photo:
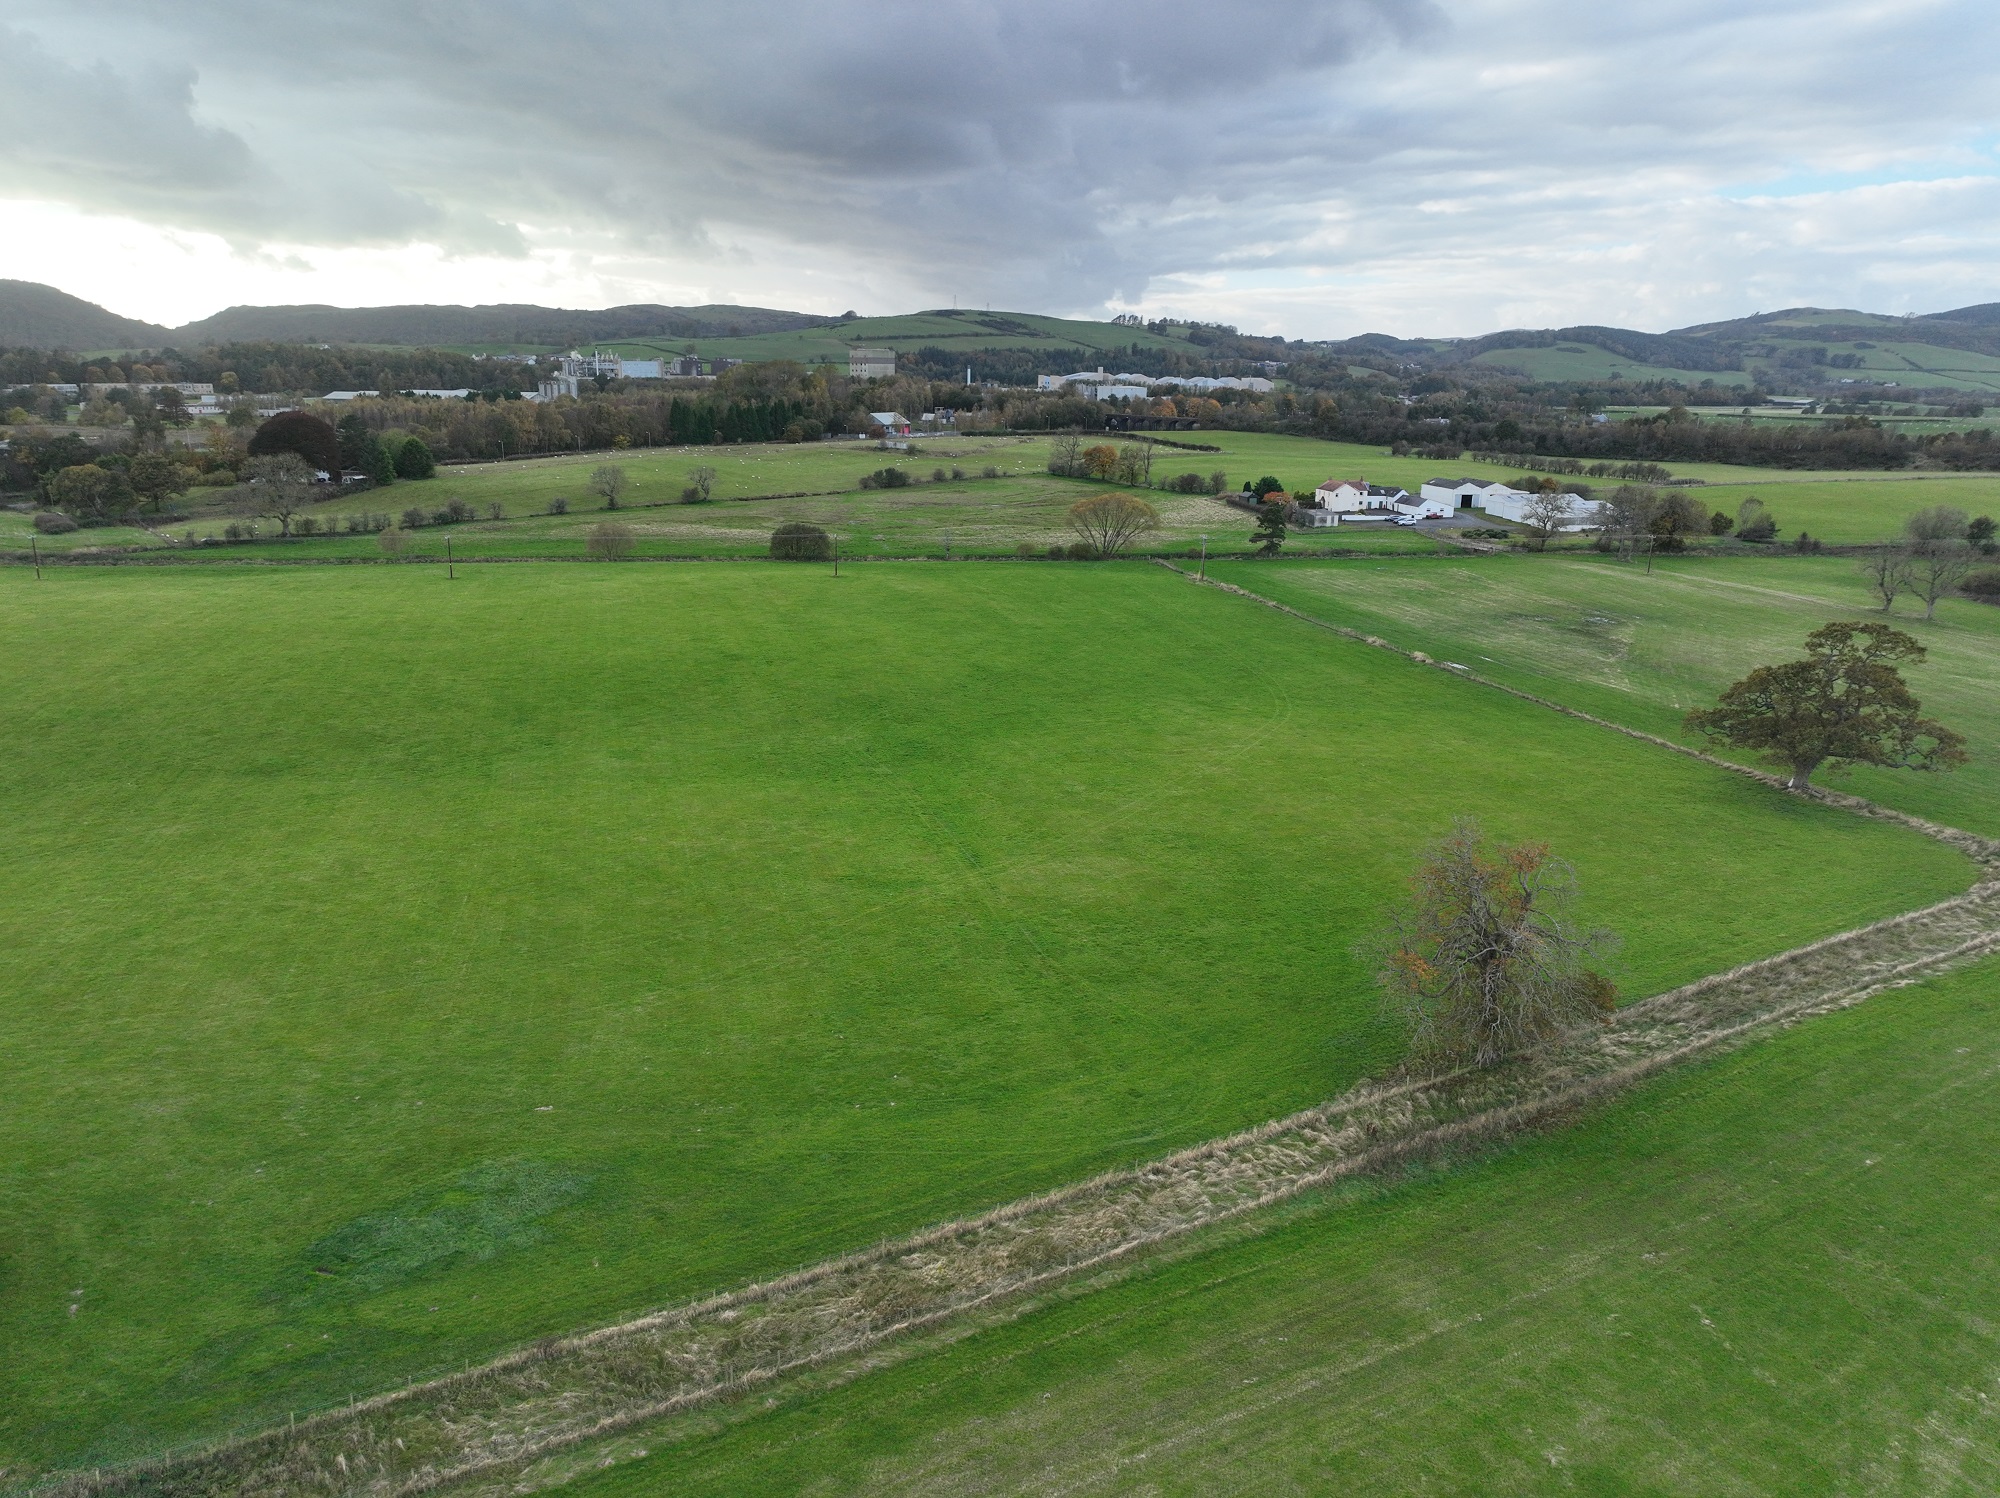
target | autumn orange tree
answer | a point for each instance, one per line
(1486, 962)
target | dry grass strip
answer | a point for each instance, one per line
(520, 1408)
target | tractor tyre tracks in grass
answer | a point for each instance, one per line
(503, 1420)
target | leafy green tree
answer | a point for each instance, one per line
(1486, 962)
(1270, 533)
(89, 492)
(1845, 703)
(1979, 532)
(1266, 485)
(157, 478)
(414, 460)
(361, 451)
(800, 541)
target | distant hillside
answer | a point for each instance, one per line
(427, 326)
(1795, 348)
(37, 316)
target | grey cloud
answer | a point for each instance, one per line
(1505, 154)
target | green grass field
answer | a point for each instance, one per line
(1024, 505)
(1605, 637)
(1773, 1273)
(401, 969)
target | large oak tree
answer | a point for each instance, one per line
(1845, 703)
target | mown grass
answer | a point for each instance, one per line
(1643, 649)
(1771, 1273)
(401, 969)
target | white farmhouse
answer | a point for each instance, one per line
(1352, 497)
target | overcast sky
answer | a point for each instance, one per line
(1315, 169)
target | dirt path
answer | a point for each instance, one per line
(494, 1420)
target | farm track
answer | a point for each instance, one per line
(494, 1421)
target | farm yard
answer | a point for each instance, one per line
(409, 968)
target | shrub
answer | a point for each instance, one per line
(1218, 482)
(392, 541)
(990, 471)
(218, 478)
(937, 475)
(413, 518)
(957, 472)
(1188, 483)
(1058, 552)
(886, 478)
(54, 523)
(1982, 586)
(452, 512)
(495, 510)
(798, 541)
(558, 506)
(1027, 549)
(307, 525)
(610, 541)
(414, 460)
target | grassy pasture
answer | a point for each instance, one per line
(981, 515)
(1603, 636)
(402, 969)
(1774, 1273)
(1582, 361)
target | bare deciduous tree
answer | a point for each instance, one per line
(700, 485)
(1546, 515)
(1486, 962)
(1887, 570)
(280, 488)
(1938, 555)
(610, 541)
(609, 482)
(1108, 523)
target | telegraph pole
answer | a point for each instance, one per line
(1203, 576)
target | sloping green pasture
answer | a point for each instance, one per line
(1604, 636)
(399, 969)
(1771, 1274)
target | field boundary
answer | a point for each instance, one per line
(498, 1418)
(527, 1405)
